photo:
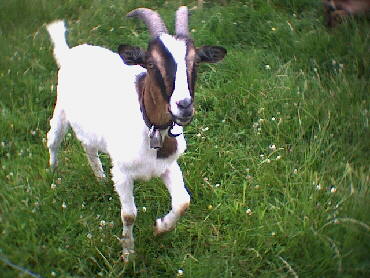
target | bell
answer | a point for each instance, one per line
(155, 138)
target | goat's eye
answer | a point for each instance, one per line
(150, 65)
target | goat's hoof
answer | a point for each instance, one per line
(160, 227)
(127, 255)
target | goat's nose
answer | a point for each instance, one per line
(184, 103)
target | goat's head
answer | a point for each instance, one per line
(171, 63)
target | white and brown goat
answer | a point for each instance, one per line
(336, 10)
(133, 106)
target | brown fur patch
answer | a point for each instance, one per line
(184, 208)
(169, 147)
(128, 219)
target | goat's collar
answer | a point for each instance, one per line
(155, 136)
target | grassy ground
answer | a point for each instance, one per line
(277, 162)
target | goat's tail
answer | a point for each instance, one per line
(57, 30)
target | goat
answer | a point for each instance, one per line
(133, 106)
(336, 10)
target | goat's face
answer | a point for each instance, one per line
(171, 64)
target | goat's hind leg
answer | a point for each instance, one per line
(58, 128)
(180, 199)
(94, 161)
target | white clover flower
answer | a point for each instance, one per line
(249, 212)
(180, 273)
(295, 171)
(278, 157)
(53, 186)
(272, 147)
(267, 67)
(273, 234)
(333, 189)
(318, 187)
(64, 205)
(102, 223)
(210, 207)
(53, 274)
(144, 209)
(89, 236)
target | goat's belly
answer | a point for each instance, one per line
(147, 166)
(145, 170)
(89, 136)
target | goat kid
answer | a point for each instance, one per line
(336, 10)
(133, 110)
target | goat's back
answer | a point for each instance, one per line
(98, 94)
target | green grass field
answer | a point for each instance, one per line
(278, 153)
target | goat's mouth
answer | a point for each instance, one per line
(183, 119)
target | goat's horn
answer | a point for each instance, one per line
(182, 21)
(152, 20)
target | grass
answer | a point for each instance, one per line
(277, 161)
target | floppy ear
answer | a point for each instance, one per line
(131, 55)
(211, 54)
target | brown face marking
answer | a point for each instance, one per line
(162, 67)
(191, 65)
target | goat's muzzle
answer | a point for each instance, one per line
(184, 112)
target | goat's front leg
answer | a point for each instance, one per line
(180, 199)
(124, 187)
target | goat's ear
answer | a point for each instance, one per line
(211, 54)
(131, 55)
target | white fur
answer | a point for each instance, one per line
(178, 50)
(97, 97)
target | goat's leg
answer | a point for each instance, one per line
(124, 187)
(58, 128)
(94, 161)
(180, 199)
